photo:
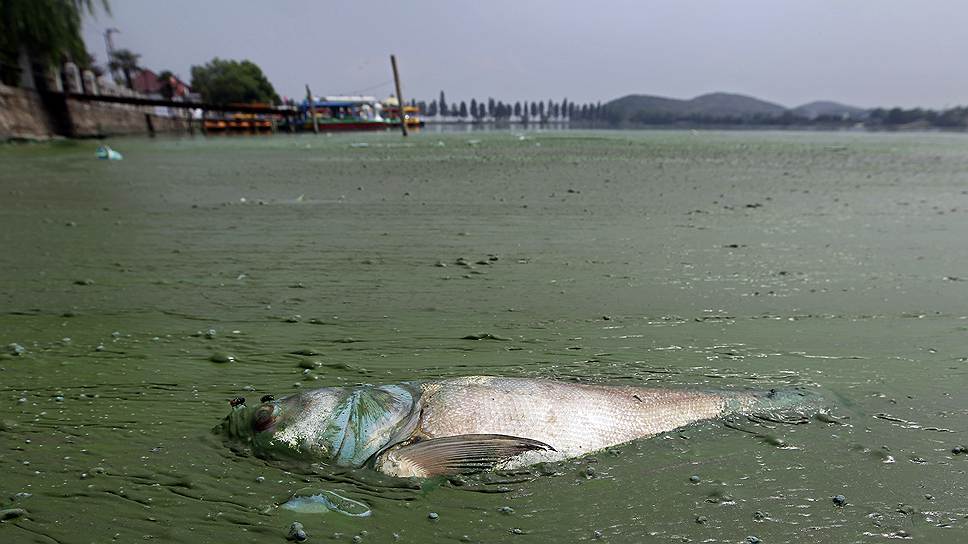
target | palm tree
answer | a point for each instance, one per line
(125, 61)
(41, 31)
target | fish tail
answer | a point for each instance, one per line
(794, 400)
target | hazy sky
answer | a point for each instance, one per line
(866, 53)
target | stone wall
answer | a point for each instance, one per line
(24, 115)
(93, 119)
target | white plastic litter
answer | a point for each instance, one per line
(105, 153)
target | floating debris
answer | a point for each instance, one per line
(485, 336)
(319, 501)
(12, 513)
(105, 153)
(222, 357)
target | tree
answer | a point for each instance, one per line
(462, 112)
(517, 109)
(443, 103)
(124, 61)
(229, 81)
(481, 110)
(44, 31)
(534, 110)
(474, 108)
(168, 84)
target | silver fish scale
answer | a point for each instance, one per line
(574, 419)
(305, 434)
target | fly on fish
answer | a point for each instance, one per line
(478, 423)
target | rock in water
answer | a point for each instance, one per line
(296, 532)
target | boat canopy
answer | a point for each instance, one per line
(331, 104)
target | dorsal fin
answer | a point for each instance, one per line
(455, 454)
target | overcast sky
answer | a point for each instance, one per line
(865, 53)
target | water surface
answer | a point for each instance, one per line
(754, 259)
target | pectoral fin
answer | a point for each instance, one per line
(454, 454)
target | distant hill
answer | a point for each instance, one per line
(827, 108)
(732, 105)
(642, 102)
(647, 108)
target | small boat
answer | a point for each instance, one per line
(240, 121)
(411, 114)
(339, 113)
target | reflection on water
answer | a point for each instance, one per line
(140, 296)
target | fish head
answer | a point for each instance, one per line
(342, 426)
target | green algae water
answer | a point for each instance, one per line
(138, 297)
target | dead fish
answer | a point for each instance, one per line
(476, 423)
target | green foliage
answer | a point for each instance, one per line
(167, 89)
(124, 61)
(49, 31)
(229, 81)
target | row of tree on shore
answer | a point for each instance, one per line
(498, 110)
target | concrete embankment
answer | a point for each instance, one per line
(30, 115)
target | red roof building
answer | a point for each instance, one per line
(148, 82)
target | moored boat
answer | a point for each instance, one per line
(340, 113)
(411, 114)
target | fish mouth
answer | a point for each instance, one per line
(244, 423)
(265, 418)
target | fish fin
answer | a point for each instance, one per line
(462, 454)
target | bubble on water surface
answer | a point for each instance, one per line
(320, 501)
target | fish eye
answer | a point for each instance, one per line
(263, 419)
